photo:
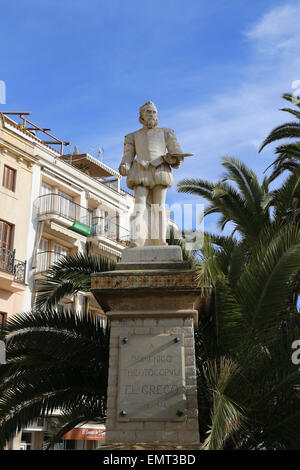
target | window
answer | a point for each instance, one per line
(3, 316)
(6, 231)
(42, 260)
(70, 444)
(26, 441)
(59, 250)
(45, 201)
(65, 205)
(106, 222)
(9, 178)
(6, 253)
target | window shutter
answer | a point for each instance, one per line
(42, 258)
(5, 235)
(9, 178)
(66, 206)
(45, 202)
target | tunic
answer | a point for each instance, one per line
(143, 151)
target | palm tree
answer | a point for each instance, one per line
(286, 199)
(289, 154)
(55, 361)
(245, 372)
(238, 197)
(248, 387)
(50, 327)
(69, 275)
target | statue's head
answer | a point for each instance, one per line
(148, 115)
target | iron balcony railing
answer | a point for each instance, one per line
(110, 229)
(11, 265)
(63, 206)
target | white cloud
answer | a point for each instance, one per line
(278, 29)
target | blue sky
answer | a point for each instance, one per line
(216, 71)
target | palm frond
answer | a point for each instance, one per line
(269, 273)
(289, 130)
(294, 112)
(69, 275)
(55, 360)
(228, 417)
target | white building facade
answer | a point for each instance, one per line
(74, 205)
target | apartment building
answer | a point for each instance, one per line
(16, 162)
(53, 203)
(75, 208)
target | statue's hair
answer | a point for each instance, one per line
(149, 104)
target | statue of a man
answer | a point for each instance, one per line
(149, 174)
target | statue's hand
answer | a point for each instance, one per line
(173, 160)
(169, 158)
(124, 169)
(176, 165)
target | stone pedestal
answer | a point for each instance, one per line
(151, 302)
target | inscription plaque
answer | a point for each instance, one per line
(151, 378)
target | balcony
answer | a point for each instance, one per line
(71, 214)
(9, 264)
(110, 230)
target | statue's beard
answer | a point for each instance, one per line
(150, 123)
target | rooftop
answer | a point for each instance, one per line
(93, 166)
(83, 161)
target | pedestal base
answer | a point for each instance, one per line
(152, 388)
(152, 257)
